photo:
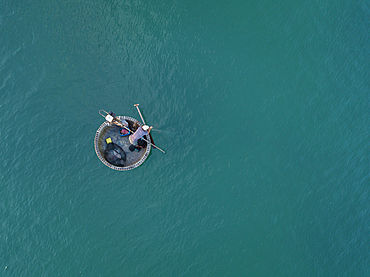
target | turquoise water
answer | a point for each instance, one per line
(262, 108)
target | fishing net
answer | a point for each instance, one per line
(115, 155)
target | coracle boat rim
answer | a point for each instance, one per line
(101, 157)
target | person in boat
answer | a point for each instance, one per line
(139, 133)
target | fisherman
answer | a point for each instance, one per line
(139, 133)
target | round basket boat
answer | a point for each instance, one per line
(111, 132)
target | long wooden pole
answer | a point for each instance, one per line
(137, 107)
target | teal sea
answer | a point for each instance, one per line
(262, 108)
